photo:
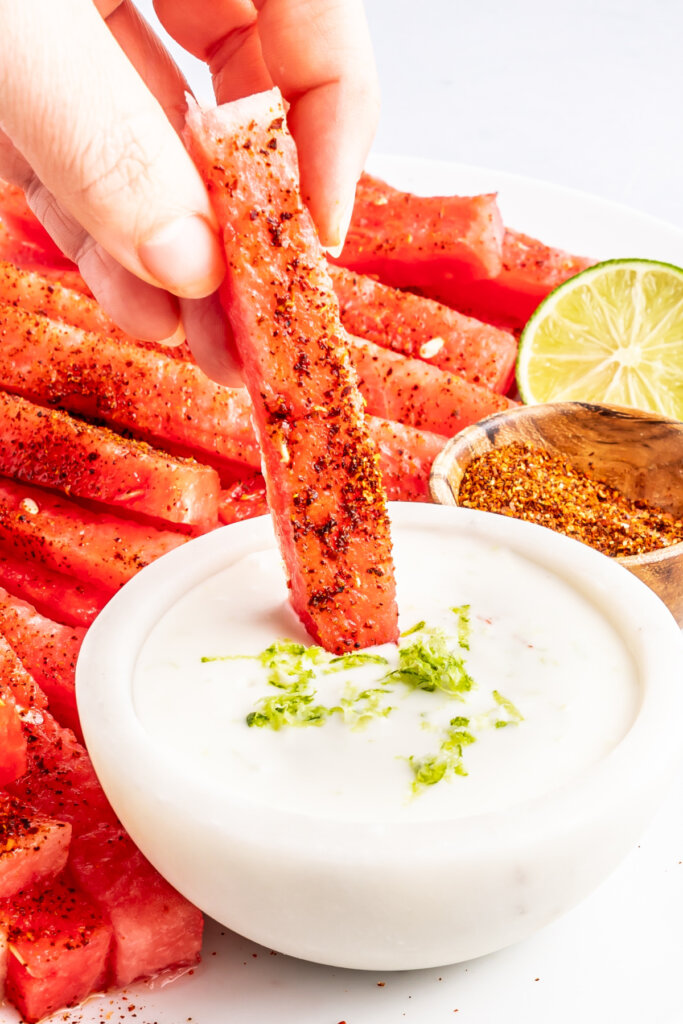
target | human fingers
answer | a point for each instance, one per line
(319, 53)
(225, 35)
(110, 160)
(139, 308)
(210, 339)
(149, 57)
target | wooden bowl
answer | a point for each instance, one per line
(637, 452)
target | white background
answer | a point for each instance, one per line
(587, 93)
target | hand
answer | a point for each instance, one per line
(91, 104)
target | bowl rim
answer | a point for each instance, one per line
(442, 493)
(104, 684)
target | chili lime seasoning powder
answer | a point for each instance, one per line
(537, 485)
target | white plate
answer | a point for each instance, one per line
(618, 956)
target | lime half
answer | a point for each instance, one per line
(612, 334)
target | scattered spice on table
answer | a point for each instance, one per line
(526, 482)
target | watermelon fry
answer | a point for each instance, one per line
(320, 466)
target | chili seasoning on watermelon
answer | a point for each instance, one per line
(320, 465)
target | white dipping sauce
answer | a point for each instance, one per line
(533, 638)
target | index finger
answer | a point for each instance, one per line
(320, 55)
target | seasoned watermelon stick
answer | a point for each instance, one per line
(61, 535)
(50, 448)
(324, 486)
(36, 362)
(412, 392)
(59, 597)
(408, 240)
(149, 393)
(36, 293)
(504, 292)
(243, 499)
(530, 271)
(49, 651)
(423, 329)
(32, 257)
(135, 388)
(405, 458)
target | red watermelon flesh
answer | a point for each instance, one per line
(33, 257)
(54, 595)
(3, 958)
(531, 270)
(17, 686)
(424, 329)
(22, 221)
(243, 499)
(58, 948)
(34, 292)
(102, 549)
(154, 927)
(407, 240)
(413, 392)
(51, 448)
(60, 780)
(48, 650)
(324, 486)
(151, 393)
(33, 847)
(12, 744)
(406, 456)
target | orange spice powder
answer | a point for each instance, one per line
(537, 485)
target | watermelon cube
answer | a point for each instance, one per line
(33, 847)
(58, 947)
(154, 926)
(60, 780)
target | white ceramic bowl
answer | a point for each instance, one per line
(381, 895)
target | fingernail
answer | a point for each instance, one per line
(184, 257)
(175, 339)
(344, 221)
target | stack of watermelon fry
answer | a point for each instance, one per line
(113, 451)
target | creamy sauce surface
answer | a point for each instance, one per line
(532, 638)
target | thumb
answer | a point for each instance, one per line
(99, 141)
